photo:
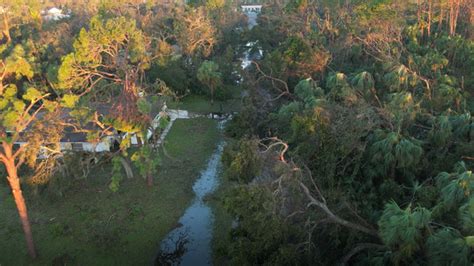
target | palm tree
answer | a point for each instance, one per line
(208, 73)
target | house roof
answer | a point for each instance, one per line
(70, 134)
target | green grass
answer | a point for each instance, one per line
(202, 104)
(90, 225)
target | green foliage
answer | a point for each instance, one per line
(455, 188)
(14, 115)
(303, 56)
(12, 108)
(441, 132)
(297, 49)
(391, 151)
(340, 89)
(116, 43)
(126, 126)
(395, 111)
(364, 82)
(282, 120)
(466, 213)
(404, 230)
(447, 96)
(215, 4)
(32, 94)
(117, 175)
(464, 126)
(147, 160)
(447, 247)
(392, 116)
(241, 124)
(144, 106)
(70, 100)
(403, 108)
(208, 73)
(309, 131)
(308, 91)
(16, 64)
(169, 73)
(241, 160)
(261, 236)
(400, 78)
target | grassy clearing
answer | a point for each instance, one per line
(202, 104)
(90, 225)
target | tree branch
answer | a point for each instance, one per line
(358, 249)
(332, 216)
(277, 142)
(286, 90)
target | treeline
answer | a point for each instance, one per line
(356, 141)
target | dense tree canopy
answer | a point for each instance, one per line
(369, 155)
(354, 137)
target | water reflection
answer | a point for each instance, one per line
(190, 244)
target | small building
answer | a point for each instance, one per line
(252, 12)
(74, 140)
(54, 14)
(257, 9)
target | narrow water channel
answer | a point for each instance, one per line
(190, 243)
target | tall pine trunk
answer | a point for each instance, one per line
(454, 8)
(14, 182)
(6, 27)
(441, 15)
(430, 16)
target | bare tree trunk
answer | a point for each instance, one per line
(14, 182)
(430, 15)
(322, 205)
(456, 15)
(149, 180)
(454, 8)
(418, 15)
(127, 167)
(441, 15)
(471, 21)
(6, 27)
(451, 16)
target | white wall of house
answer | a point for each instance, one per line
(96, 147)
(252, 8)
(104, 145)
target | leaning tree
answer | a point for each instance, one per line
(28, 127)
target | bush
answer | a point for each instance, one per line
(224, 92)
(241, 161)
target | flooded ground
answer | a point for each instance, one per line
(190, 243)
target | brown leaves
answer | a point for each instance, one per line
(196, 32)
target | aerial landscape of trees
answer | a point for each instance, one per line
(348, 125)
